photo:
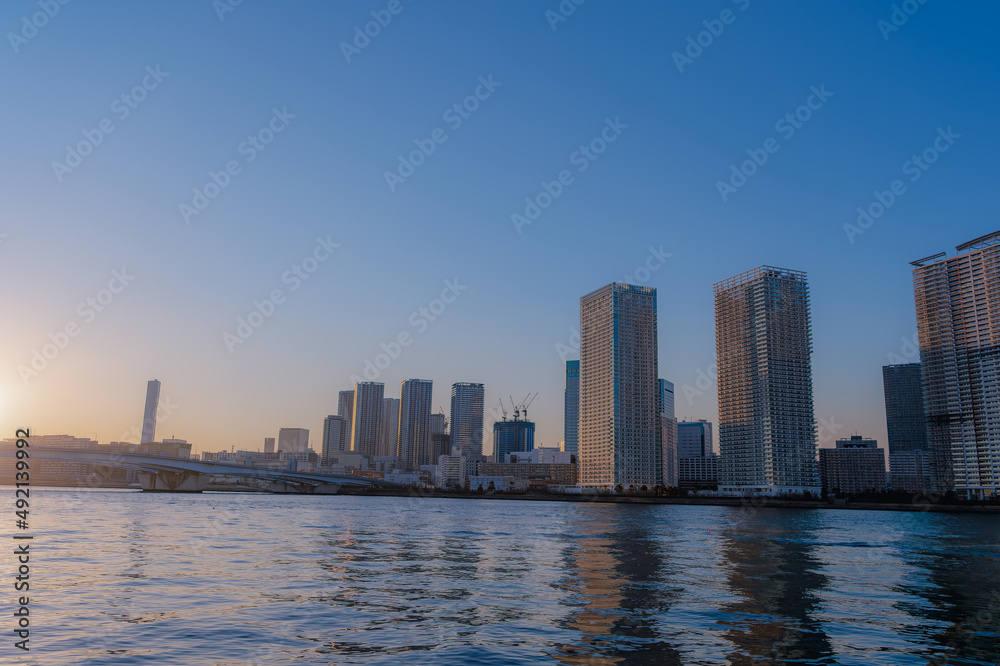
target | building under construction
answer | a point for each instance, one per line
(958, 323)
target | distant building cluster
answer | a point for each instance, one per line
(621, 433)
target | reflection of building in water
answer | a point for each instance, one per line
(961, 586)
(774, 577)
(613, 575)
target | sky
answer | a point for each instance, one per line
(455, 180)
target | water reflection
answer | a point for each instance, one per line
(136, 578)
(961, 586)
(773, 577)
(616, 575)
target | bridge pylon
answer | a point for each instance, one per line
(173, 482)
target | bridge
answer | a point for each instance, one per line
(162, 474)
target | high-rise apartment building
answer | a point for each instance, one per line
(334, 436)
(571, 409)
(958, 323)
(767, 433)
(293, 440)
(269, 445)
(906, 423)
(619, 432)
(389, 433)
(467, 417)
(694, 439)
(413, 445)
(149, 413)
(366, 417)
(668, 444)
(345, 408)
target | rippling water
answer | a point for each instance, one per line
(133, 578)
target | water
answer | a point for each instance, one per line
(133, 578)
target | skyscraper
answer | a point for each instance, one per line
(512, 437)
(366, 417)
(269, 445)
(345, 408)
(440, 441)
(619, 433)
(668, 456)
(767, 433)
(694, 439)
(149, 413)
(666, 394)
(571, 410)
(906, 423)
(697, 464)
(413, 446)
(958, 322)
(334, 436)
(293, 440)
(467, 417)
(389, 433)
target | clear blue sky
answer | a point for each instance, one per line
(552, 91)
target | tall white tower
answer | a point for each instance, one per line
(149, 414)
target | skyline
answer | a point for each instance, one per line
(317, 197)
(827, 440)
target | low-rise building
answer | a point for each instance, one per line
(406, 478)
(562, 474)
(857, 465)
(504, 484)
(451, 471)
(542, 455)
(698, 472)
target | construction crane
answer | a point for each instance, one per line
(517, 412)
(524, 409)
(503, 409)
